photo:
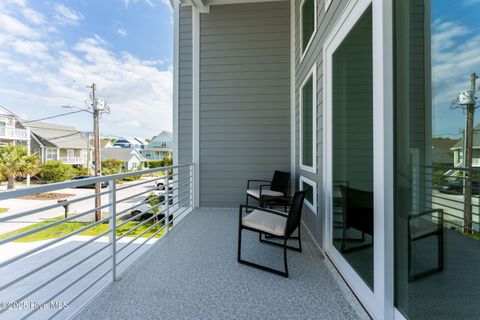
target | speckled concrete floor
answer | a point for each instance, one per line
(192, 273)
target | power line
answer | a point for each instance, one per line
(51, 117)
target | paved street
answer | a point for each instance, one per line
(20, 205)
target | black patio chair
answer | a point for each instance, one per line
(275, 224)
(357, 211)
(421, 228)
(278, 187)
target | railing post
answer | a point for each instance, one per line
(167, 199)
(112, 195)
(191, 185)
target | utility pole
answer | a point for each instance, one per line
(96, 137)
(468, 157)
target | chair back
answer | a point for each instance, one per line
(357, 207)
(295, 213)
(280, 181)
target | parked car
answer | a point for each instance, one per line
(90, 186)
(146, 208)
(160, 183)
(456, 187)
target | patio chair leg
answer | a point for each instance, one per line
(285, 256)
(239, 253)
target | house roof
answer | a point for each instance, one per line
(476, 139)
(131, 140)
(122, 154)
(5, 112)
(55, 135)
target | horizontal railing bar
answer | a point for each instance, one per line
(52, 206)
(447, 199)
(82, 292)
(75, 183)
(48, 244)
(77, 280)
(54, 260)
(144, 212)
(139, 225)
(131, 241)
(144, 182)
(62, 273)
(148, 239)
(53, 224)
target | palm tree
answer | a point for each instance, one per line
(16, 162)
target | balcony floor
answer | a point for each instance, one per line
(192, 273)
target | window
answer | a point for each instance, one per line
(308, 23)
(51, 154)
(311, 196)
(2, 128)
(308, 122)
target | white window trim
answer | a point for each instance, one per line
(327, 4)
(313, 168)
(315, 22)
(313, 184)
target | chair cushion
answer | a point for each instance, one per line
(421, 228)
(266, 222)
(265, 192)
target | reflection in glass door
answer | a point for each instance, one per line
(352, 148)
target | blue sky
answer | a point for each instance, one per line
(51, 49)
(456, 54)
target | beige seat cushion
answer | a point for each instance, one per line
(265, 192)
(266, 221)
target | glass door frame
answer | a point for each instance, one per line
(379, 302)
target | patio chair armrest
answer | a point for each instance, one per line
(262, 186)
(426, 213)
(248, 182)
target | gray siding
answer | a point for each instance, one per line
(325, 23)
(244, 98)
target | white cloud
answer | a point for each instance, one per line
(67, 16)
(470, 2)
(122, 32)
(151, 3)
(33, 16)
(13, 27)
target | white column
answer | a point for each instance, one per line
(196, 104)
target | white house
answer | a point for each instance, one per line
(131, 158)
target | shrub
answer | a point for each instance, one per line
(155, 164)
(132, 178)
(80, 171)
(111, 166)
(56, 171)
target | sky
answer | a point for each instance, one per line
(456, 54)
(51, 50)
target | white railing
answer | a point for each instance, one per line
(53, 274)
(72, 160)
(14, 133)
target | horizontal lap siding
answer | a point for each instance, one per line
(325, 23)
(244, 98)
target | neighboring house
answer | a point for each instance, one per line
(458, 149)
(131, 158)
(159, 147)
(106, 143)
(442, 153)
(58, 142)
(11, 130)
(130, 143)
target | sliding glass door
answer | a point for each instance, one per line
(437, 159)
(352, 143)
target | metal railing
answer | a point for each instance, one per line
(14, 133)
(72, 160)
(441, 187)
(54, 266)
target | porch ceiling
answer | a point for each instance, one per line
(192, 273)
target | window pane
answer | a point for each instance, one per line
(307, 123)
(437, 181)
(352, 147)
(309, 195)
(308, 22)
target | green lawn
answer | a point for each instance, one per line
(3, 210)
(68, 227)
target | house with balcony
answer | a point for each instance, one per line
(340, 95)
(11, 130)
(159, 147)
(59, 142)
